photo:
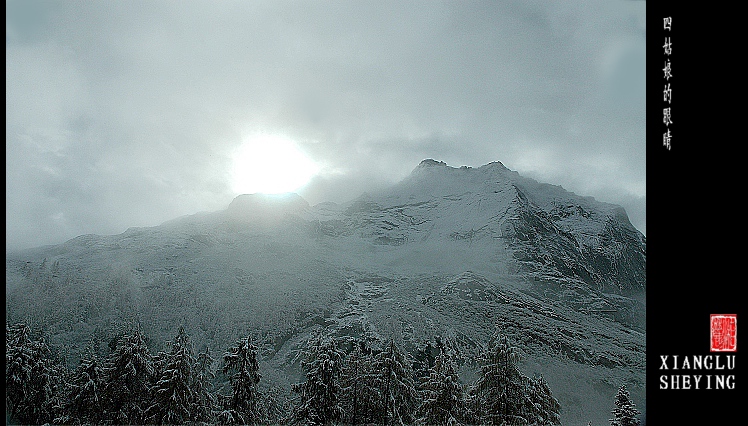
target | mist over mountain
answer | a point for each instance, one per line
(448, 254)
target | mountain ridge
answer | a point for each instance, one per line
(450, 252)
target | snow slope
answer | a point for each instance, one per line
(448, 253)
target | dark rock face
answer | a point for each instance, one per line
(607, 253)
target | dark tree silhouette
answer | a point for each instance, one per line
(499, 390)
(359, 397)
(240, 363)
(320, 394)
(545, 408)
(443, 401)
(85, 398)
(624, 413)
(205, 400)
(33, 381)
(365, 387)
(129, 371)
(173, 395)
(393, 379)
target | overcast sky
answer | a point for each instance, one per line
(131, 113)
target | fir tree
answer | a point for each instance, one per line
(499, 391)
(545, 408)
(159, 363)
(320, 393)
(424, 360)
(240, 362)
(129, 372)
(624, 413)
(173, 396)
(59, 377)
(359, 395)
(275, 405)
(205, 401)
(32, 380)
(443, 395)
(85, 398)
(394, 380)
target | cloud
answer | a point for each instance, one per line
(126, 114)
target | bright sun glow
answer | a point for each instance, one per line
(270, 164)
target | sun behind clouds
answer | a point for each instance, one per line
(270, 164)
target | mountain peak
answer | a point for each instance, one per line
(248, 206)
(495, 165)
(261, 198)
(430, 162)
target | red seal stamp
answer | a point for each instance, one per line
(724, 334)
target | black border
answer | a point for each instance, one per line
(694, 230)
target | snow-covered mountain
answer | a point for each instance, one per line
(549, 233)
(448, 253)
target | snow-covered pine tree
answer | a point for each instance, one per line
(240, 363)
(393, 378)
(500, 391)
(205, 400)
(275, 405)
(31, 377)
(545, 408)
(159, 362)
(424, 359)
(319, 402)
(359, 395)
(129, 373)
(59, 376)
(443, 396)
(85, 399)
(625, 412)
(172, 395)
